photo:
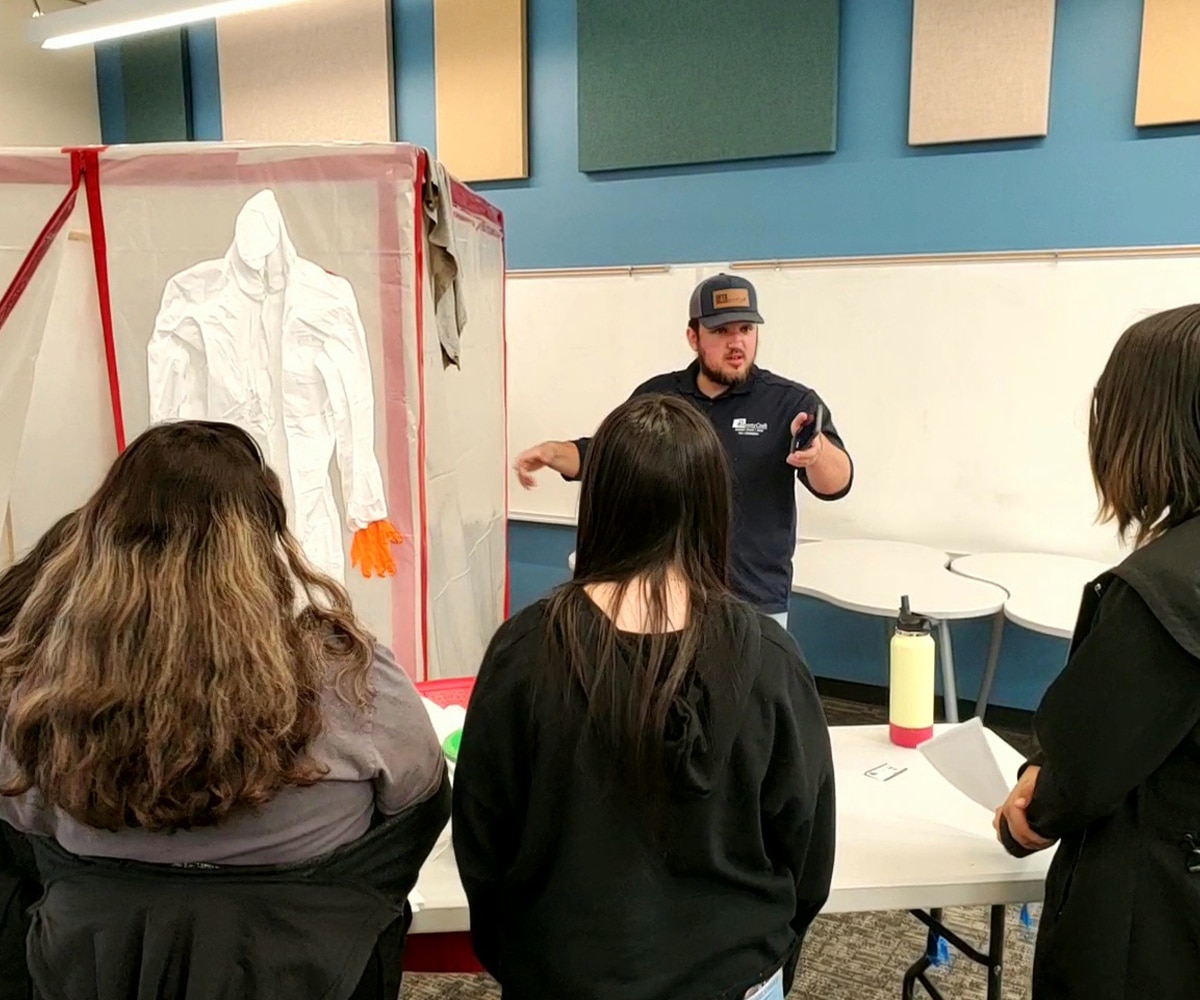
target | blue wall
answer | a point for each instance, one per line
(1094, 181)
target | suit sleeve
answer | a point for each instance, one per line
(175, 360)
(1125, 701)
(799, 814)
(346, 368)
(491, 789)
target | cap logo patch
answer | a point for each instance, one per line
(731, 298)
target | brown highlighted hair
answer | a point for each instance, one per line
(17, 581)
(167, 667)
(655, 499)
(1144, 434)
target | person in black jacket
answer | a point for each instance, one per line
(1116, 780)
(644, 794)
(20, 885)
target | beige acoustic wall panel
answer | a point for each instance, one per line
(1169, 73)
(980, 70)
(308, 72)
(480, 57)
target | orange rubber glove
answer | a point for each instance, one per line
(371, 549)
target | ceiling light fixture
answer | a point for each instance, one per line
(102, 20)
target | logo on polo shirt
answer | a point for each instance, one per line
(745, 428)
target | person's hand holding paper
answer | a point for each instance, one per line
(962, 756)
(1012, 814)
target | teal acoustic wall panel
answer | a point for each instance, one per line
(666, 82)
(155, 83)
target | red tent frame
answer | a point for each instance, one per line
(383, 164)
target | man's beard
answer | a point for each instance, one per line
(727, 379)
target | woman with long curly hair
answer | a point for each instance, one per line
(178, 668)
(20, 884)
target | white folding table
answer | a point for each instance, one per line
(910, 842)
(870, 577)
(1044, 592)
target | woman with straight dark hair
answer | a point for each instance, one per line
(1116, 781)
(644, 797)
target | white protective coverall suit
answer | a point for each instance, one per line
(271, 342)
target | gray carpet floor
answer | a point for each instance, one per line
(860, 956)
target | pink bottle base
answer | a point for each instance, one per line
(909, 738)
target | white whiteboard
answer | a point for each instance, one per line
(962, 388)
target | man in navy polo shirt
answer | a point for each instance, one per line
(756, 414)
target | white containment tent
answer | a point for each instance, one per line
(343, 303)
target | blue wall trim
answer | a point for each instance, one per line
(110, 93)
(1096, 180)
(412, 40)
(205, 81)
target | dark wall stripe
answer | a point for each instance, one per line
(205, 81)
(156, 83)
(412, 46)
(162, 87)
(110, 93)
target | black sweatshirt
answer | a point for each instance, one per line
(570, 897)
(1119, 786)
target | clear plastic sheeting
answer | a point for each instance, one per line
(20, 343)
(284, 288)
(464, 437)
(68, 443)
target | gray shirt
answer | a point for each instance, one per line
(386, 758)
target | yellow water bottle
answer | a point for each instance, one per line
(911, 679)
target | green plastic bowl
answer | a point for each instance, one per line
(450, 745)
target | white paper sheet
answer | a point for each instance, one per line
(772, 989)
(963, 757)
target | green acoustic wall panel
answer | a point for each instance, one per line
(154, 80)
(665, 82)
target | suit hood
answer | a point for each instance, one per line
(1166, 575)
(262, 254)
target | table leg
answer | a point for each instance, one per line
(992, 961)
(949, 682)
(995, 966)
(993, 661)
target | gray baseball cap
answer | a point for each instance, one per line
(724, 298)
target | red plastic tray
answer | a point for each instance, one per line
(448, 690)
